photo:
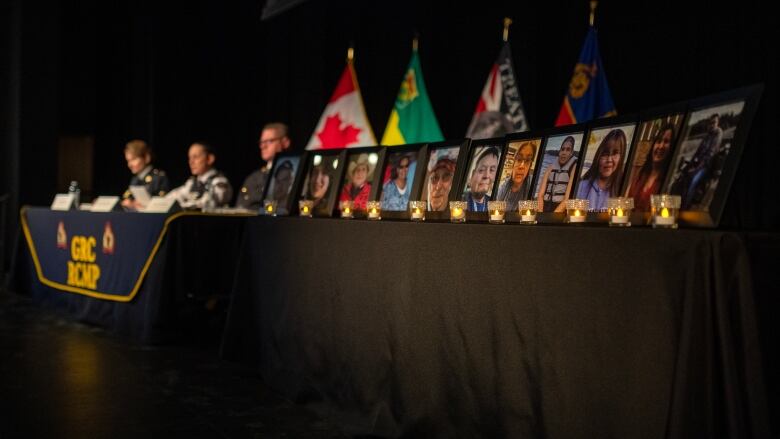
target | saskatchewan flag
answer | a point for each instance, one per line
(412, 119)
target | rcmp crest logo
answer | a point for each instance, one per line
(108, 239)
(581, 79)
(62, 236)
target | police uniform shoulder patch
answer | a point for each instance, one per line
(148, 179)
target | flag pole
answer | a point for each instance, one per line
(507, 22)
(593, 5)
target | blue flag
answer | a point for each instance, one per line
(588, 96)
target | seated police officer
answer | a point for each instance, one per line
(273, 140)
(207, 186)
(139, 159)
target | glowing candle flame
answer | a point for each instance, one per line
(270, 208)
(305, 209)
(577, 212)
(457, 211)
(528, 212)
(619, 212)
(665, 213)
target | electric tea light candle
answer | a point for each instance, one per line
(577, 210)
(305, 207)
(620, 211)
(270, 207)
(527, 211)
(346, 209)
(497, 211)
(417, 210)
(664, 210)
(458, 211)
(374, 210)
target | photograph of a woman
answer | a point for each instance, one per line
(602, 171)
(652, 158)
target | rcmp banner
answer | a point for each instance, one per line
(588, 96)
(101, 255)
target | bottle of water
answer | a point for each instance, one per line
(210, 205)
(74, 189)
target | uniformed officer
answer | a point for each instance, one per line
(207, 186)
(273, 140)
(139, 159)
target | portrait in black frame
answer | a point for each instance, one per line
(652, 154)
(398, 178)
(557, 168)
(479, 180)
(443, 161)
(517, 168)
(282, 181)
(603, 160)
(323, 170)
(358, 179)
(708, 152)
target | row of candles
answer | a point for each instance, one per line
(664, 210)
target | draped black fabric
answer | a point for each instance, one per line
(441, 330)
(186, 289)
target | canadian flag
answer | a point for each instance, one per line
(343, 124)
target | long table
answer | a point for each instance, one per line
(471, 330)
(144, 276)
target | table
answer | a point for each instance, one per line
(473, 330)
(144, 276)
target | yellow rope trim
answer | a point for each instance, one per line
(97, 294)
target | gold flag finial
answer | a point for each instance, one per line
(350, 54)
(593, 4)
(415, 43)
(507, 22)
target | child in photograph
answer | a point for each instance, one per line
(601, 181)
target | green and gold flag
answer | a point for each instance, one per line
(412, 119)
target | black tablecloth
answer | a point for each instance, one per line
(443, 330)
(186, 288)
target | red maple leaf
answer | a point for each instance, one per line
(333, 136)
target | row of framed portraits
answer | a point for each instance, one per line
(691, 149)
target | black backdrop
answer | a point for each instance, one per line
(174, 72)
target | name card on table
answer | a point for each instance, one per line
(162, 205)
(64, 202)
(105, 204)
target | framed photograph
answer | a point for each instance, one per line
(604, 158)
(708, 152)
(517, 168)
(652, 153)
(398, 179)
(359, 179)
(443, 161)
(478, 184)
(556, 171)
(323, 170)
(282, 182)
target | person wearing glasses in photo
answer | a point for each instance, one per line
(395, 193)
(515, 187)
(273, 140)
(483, 175)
